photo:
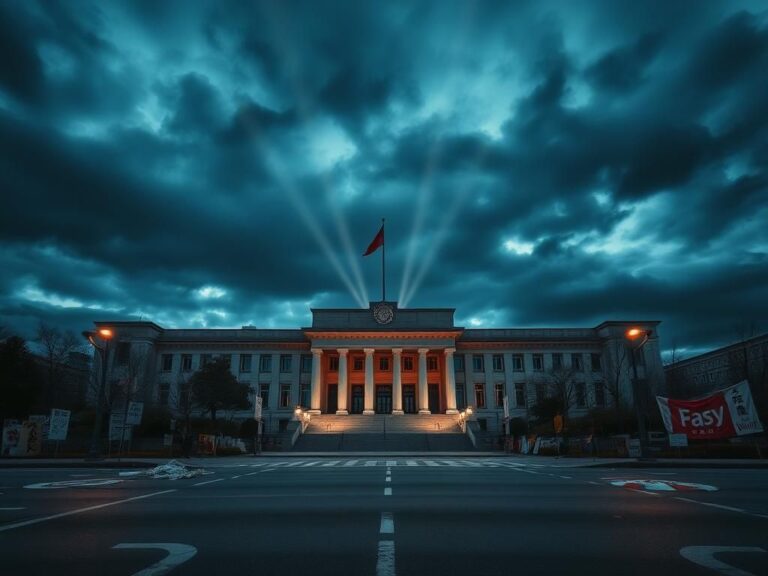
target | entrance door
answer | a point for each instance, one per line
(358, 396)
(333, 398)
(434, 398)
(409, 399)
(383, 399)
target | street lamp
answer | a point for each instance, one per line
(100, 341)
(638, 337)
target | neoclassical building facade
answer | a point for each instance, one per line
(387, 360)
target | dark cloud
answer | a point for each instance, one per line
(225, 163)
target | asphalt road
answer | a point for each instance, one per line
(416, 516)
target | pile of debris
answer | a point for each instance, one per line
(173, 470)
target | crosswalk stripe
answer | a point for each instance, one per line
(299, 463)
(370, 463)
(351, 462)
(310, 464)
(451, 463)
(391, 462)
(332, 463)
(411, 463)
(431, 463)
(257, 465)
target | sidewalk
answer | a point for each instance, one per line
(525, 460)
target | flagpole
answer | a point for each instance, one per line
(383, 270)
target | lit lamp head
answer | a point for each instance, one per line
(105, 333)
(634, 333)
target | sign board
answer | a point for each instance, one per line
(11, 438)
(59, 424)
(506, 406)
(33, 433)
(633, 447)
(678, 440)
(167, 439)
(257, 404)
(44, 422)
(135, 410)
(724, 414)
(117, 426)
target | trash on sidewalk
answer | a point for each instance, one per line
(173, 470)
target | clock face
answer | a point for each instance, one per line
(383, 313)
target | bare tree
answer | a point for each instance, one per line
(564, 388)
(57, 346)
(616, 369)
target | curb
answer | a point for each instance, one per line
(81, 464)
(714, 464)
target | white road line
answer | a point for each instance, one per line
(705, 556)
(711, 504)
(411, 463)
(208, 482)
(257, 465)
(391, 462)
(299, 463)
(470, 463)
(387, 491)
(593, 482)
(81, 510)
(13, 508)
(431, 463)
(234, 477)
(385, 563)
(370, 463)
(351, 462)
(315, 463)
(566, 477)
(387, 523)
(252, 473)
(451, 463)
(331, 463)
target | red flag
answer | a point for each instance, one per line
(378, 241)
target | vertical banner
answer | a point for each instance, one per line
(59, 425)
(724, 414)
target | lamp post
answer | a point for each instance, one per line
(638, 338)
(105, 335)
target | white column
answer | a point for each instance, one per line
(423, 390)
(450, 382)
(397, 388)
(341, 402)
(368, 405)
(317, 370)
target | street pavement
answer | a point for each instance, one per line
(384, 516)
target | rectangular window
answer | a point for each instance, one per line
(520, 395)
(384, 364)
(245, 362)
(167, 362)
(358, 364)
(165, 390)
(306, 363)
(205, 359)
(517, 363)
(286, 363)
(498, 363)
(458, 363)
(431, 363)
(538, 362)
(265, 363)
(408, 363)
(576, 362)
(498, 392)
(478, 363)
(480, 395)
(557, 361)
(597, 364)
(599, 394)
(123, 353)
(264, 393)
(581, 394)
(333, 363)
(285, 396)
(305, 395)
(461, 398)
(186, 362)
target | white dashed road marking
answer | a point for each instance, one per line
(208, 482)
(387, 523)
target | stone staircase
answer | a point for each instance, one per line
(383, 433)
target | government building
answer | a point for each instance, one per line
(387, 360)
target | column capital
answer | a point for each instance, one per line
(397, 351)
(423, 351)
(449, 351)
(342, 351)
(368, 351)
(317, 351)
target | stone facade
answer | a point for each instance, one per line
(391, 360)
